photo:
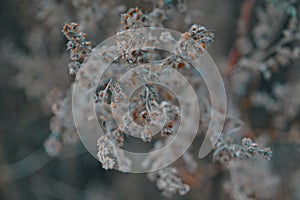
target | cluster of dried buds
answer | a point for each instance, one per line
(146, 109)
(77, 46)
(194, 41)
(168, 181)
(134, 18)
(226, 150)
(151, 106)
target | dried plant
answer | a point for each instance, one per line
(251, 159)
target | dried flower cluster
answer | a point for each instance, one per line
(226, 150)
(61, 125)
(168, 181)
(151, 103)
(77, 46)
(261, 77)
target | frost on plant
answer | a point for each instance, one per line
(168, 181)
(257, 54)
(77, 46)
(150, 103)
(226, 150)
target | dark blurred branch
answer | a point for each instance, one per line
(242, 29)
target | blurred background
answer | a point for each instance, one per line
(256, 48)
